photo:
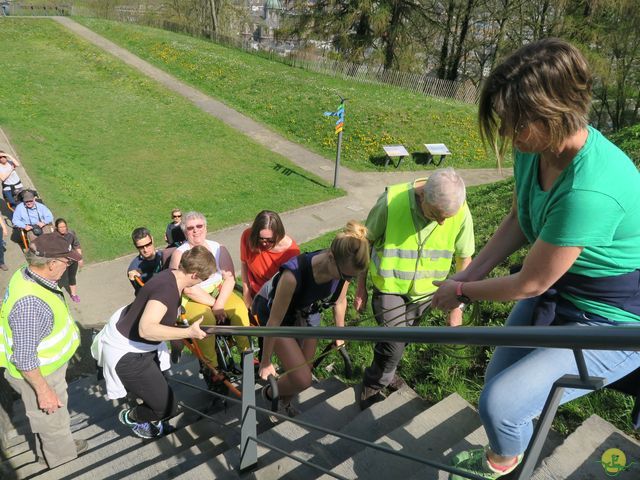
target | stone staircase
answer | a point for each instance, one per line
(207, 447)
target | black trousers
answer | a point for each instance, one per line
(141, 375)
(390, 311)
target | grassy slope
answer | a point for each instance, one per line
(111, 150)
(436, 371)
(291, 101)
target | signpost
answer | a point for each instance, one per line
(339, 127)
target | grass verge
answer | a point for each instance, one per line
(291, 101)
(111, 150)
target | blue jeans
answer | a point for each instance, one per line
(518, 380)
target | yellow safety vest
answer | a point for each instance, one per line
(55, 349)
(408, 262)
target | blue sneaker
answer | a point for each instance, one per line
(148, 429)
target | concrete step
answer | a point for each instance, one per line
(86, 398)
(582, 455)
(476, 439)
(100, 426)
(329, 450)
(326, 402)
(426, 435)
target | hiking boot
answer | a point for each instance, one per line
(81, 446)
(396, 383)
(148, 429)
(475, 461)
(123, 416)
(369, 396)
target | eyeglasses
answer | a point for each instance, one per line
(66, 261)
(140, 247)
(343, 277)
(176, 216)
(270, 241)
(191, 228)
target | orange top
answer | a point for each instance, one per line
(263, 264)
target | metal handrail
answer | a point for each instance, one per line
(594, 338)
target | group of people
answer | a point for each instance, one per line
(33, 218)
(576, 204)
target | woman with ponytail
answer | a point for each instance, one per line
(304, 286)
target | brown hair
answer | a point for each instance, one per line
(547, 81)
(198, 260)
(351, 246)
(265, 220)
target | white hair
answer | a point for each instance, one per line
(191, 216)
(35, 261)
(445, 190)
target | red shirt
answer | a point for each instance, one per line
(263, 264)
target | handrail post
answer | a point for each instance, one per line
(248, 447)
(583, 381)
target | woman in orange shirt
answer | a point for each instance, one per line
(263, 248)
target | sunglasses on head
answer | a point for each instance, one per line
(191, 228)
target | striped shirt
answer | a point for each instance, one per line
(31, 320)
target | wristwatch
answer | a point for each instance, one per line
(461, 297)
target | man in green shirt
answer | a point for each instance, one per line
(416, 230)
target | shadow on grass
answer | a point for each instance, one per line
(287, 172)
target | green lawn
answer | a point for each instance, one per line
(292, 101)
(436, 371)
(111, 150)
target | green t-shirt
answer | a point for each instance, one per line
(377, 226)
(595, 204)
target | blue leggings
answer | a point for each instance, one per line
(518, 381)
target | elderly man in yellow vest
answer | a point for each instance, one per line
(38, 337)
(416, 230)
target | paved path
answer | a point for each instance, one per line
(103, 286)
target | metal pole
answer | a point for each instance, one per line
(249, 448)
(335, 173)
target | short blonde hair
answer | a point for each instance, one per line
(351, 246)
(547, 81)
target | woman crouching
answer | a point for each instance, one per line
(296, 294)
(132, 349)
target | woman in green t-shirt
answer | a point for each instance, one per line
(577, 205)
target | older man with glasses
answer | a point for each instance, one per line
(38, 337)
(416, 231)
(32, 217)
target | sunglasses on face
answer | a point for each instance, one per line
(176, 216)
(343, 277)
(140, 247)
(191, 228)
(270, 241)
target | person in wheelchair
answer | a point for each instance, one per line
(214, 299)
(294, 296)
(11, 183)
(32, 217)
